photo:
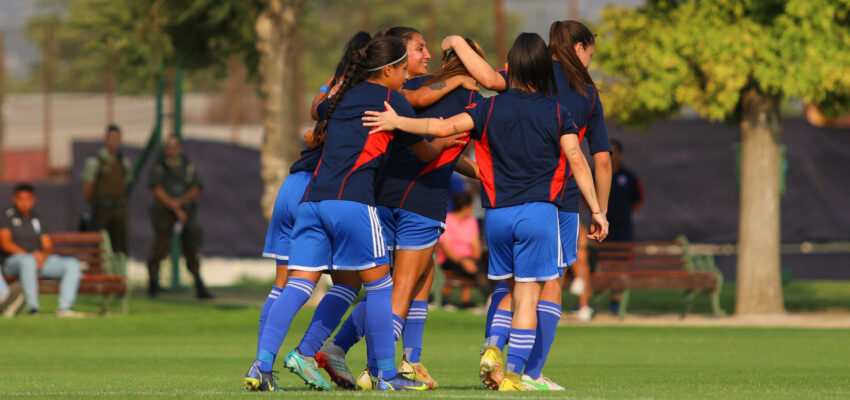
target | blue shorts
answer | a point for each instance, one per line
(524, 242)
(348, 231)
(569, 236)
(283, 216)
(407, 230)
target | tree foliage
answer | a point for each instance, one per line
(703, 54)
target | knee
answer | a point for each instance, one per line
(27, 262)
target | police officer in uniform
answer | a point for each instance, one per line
(176, 185)
(105, 179)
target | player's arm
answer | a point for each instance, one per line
(388, 120)
(190, 195)
(467, 167)
(321, 96)
(584, 180)
(637, 203)
(602, 176)
(427, 152)
(477, 66)
(429, 94)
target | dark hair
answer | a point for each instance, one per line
(618, 144)
(402, 33)
(113, 128)
(452, 65)
(380, 52)
(563, 36)
(355, 44)
(530, 65)
(174, 136)
(461, 200)
(23, 187)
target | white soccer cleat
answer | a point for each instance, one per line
(584, 314)
(577, 286)
(542, 383)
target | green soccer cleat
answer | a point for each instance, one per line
(305, 368)
(257, 380)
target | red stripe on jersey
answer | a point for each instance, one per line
(557, 185)
(375, 145)
(446, 156)
(485, 160)
(580, 138)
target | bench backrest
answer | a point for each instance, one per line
(640, 256)
(85, 246)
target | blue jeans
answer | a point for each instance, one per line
(66, 269)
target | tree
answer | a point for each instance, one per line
(733, 61)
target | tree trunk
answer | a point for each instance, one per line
(275, 27)
(759, 284)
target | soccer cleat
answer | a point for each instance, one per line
(416, 372)
(577, 286)
(399, 383)
(70, 314)
(365, 381)
(541, 383)
(332, 359)
(257, 380)
(484, 346)
(512, 383)
(490, 368)
(305, 368)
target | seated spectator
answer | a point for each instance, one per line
(26, 251)
(459, 248)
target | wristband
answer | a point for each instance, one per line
(323, 88)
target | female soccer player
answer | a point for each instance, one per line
(519, 137)
(572, 46)
(338, 216)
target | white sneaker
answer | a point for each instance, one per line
(13, 304)
(584, 314)
(542, 383)
(577, 286)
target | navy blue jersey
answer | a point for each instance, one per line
(412, 184)
(517, 147)
(588, 116)
(351, 157)
(626, 190)
(309, 158)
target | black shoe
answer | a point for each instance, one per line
(154, 291)
(204, 294)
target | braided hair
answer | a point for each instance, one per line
(381, 51)
(356, 43)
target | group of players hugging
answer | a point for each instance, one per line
(366, 202)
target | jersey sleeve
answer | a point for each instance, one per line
(415, 83)
(504, 73)
(89, 173)
(567, 126)
(156, 176)
(322, 109)
(6, 220)
(194, 179)
(597, 133)
(479, 112)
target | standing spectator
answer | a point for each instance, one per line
(626, 197)
(27, 254)
(176, 185)
(105, 179)
(459, 248)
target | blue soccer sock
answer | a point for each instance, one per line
(264, 313)
(414, 328)
(326, 318)
(353, 328)
(522, 340)
(500, 330)
(548, 315)
(398, 326)
(499, 292)
(293, 296)
(379, 324)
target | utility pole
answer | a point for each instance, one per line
(234, 96)
(110, 83)
(2, 91)
(47, 92)
(572, 9)
(433, 37)
(501, 53)
(364, 16)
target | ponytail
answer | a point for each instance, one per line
(563, 35)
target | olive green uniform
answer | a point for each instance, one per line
(176, 179)
(110, 175)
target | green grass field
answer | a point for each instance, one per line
(182, 348)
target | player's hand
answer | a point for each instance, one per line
(442, 143)
(181, 215)
(598, 227)
(447, 42)
(381, 121)
(39, 258)
(309, 138)
(469, 265)
(468, 83)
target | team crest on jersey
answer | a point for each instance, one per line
(16, 221)
(622, 180)
(36, 226)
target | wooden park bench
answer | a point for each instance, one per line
(626, 266)
(104, 273)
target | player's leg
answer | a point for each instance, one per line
(538, 257)
(581, 269)
(414, 330)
